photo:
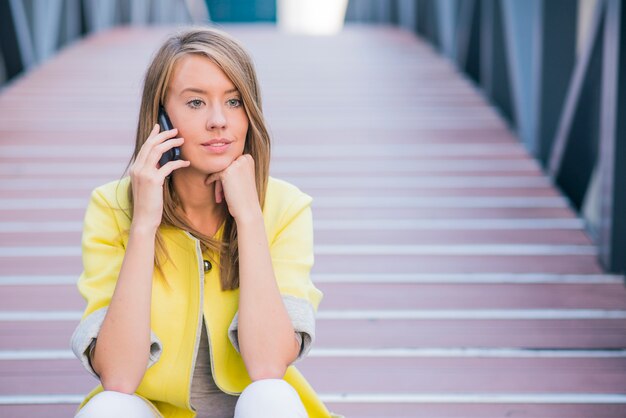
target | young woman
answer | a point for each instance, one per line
(196, 272)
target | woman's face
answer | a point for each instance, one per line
(204, 105)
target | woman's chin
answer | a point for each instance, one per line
(207, 169)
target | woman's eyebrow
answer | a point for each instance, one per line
(200, 91)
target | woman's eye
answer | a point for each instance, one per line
(195, 103)
(234, 102)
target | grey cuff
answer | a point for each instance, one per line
(85, 335)
(302, 317)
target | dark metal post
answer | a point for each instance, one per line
(612, 161)
(494, 67)
(468, 38)
(9, 45)
(555, 56)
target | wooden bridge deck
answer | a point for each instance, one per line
(458, 281)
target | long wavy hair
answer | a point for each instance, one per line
(230, 56)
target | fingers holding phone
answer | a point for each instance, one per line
(159, 145)
(172, 154)
(147, 177)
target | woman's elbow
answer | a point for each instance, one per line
(116, 381)
(267, 371)
(119, 385)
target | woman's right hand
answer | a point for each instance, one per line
(147, 177)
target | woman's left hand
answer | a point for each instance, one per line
(237, 184)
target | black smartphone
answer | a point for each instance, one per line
(172, 154)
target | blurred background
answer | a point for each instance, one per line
(549, 67)
(466, 160)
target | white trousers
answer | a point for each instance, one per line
(268, 398)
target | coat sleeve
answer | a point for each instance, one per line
(291, 250)
(103, 251)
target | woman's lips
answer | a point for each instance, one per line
(216, 149)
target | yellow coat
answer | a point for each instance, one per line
(176, 311)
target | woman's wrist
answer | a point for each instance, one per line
(142, 229)
(250, 218)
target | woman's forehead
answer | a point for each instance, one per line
(199, 74)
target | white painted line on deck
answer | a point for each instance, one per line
(383, 278)
(383, 398)
(380, 165)
(281, 150)
(451, 250)
(465, 353)
(27, 355)
(38, 280)
(361, 224)
(336, 202)
(41, 399)
(284, 168)
(41, 227)
(85, 185)
(353, 183)
(43, 203)
(392, 202)
(21, 355)
(21, 316)
(362, 250)
(467, 278)
(432, 314)
(418, 151)
(66, 151)
(52, 251)
(473, 314)
(482, 398)
(68, 168)
(431, 182)
(448, 224)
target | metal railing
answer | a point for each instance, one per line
(555, 71)
(31, 31)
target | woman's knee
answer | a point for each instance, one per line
(269, 398)
(109, 403)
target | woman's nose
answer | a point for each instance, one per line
(216, 118)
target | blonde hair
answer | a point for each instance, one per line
(230, 56)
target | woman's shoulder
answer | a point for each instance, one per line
(113, 194)
(283, 201)
(282, 193)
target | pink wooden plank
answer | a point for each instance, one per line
(454, 236)
(384, 296)
(476, 296)
(440, 213)
(325, 192)
(562, 264)
(392, 375)
(39, 335)
(382, 333)
(51, 238)
(38, 411)
(37, 215)
(352, 236)
(77, 214)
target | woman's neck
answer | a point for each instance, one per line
(197, 200)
